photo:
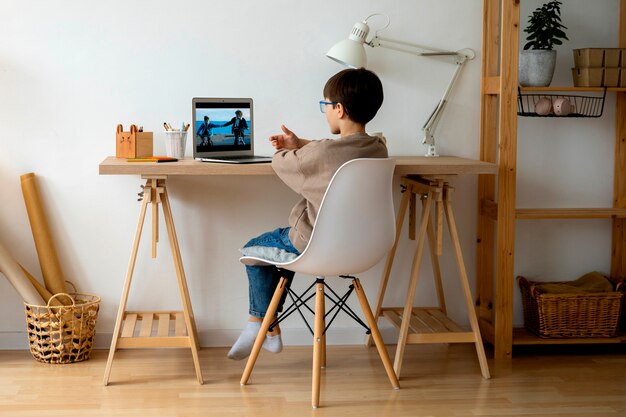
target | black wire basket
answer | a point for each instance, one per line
(581, 106)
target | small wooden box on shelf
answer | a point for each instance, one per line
(599, 57)
(599, 67)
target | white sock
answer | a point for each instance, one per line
(243, 346)
(273, 344)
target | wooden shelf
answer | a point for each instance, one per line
(500, 107)
(429, 325)
(570, 213)
(150, 329)
(522, 336)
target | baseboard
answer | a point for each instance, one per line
(226, 337)
(13, 341)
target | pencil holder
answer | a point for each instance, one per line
(175, 142)
(132, 144)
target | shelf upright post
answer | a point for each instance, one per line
(618, 258)
(502, 136)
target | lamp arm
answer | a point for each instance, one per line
(433, 120)
(415, 49)
(410, 48)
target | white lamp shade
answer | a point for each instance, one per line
(349, 53)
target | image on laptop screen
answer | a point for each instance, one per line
(222, 126)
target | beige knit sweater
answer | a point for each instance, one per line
(308, 172)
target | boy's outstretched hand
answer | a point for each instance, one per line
(288, 140)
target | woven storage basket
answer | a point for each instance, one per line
(621, 287)
(569, 315)
(62, 334)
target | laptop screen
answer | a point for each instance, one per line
(222, 127)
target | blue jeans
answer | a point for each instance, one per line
(263, 280)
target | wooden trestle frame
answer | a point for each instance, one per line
(155, 329)
(429, 324)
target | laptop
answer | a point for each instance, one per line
(223, 131)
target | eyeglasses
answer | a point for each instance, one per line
(323, 105)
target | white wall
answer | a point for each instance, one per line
(71, 71)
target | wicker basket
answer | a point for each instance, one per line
(621, 287)
(62, 334)
(569, 315)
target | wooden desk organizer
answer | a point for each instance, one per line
(132, 144)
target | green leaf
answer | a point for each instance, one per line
(544, 27)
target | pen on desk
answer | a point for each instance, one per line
(141, 160)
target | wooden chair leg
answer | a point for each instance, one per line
(378, 339)
(318, 341)
(323, 361)
(258, 343)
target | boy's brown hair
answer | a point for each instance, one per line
(358, 90)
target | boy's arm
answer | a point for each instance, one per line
(288, 167)
(302, 142)
(288, 140)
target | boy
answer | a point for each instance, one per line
(239, 125)
(205, 131)
(351, 99)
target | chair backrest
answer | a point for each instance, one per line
(355, 226)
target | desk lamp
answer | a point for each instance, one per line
(351, 52)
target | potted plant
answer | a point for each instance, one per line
(537, 60)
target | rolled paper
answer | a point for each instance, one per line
(53, 277)
(43, 292)
(11, 269)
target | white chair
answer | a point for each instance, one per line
(355, 228)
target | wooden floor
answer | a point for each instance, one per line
(437, 380)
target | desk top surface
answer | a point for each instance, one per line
(405, 165)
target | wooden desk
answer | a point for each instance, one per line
(405, 165)
(177, 328)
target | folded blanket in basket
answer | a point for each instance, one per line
(588, 283)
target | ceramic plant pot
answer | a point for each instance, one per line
(536, 67)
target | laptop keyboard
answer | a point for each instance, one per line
(235, 157)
